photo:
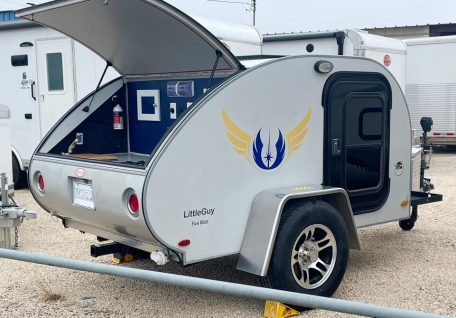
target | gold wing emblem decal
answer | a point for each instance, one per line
(240, 140)
(296, 136)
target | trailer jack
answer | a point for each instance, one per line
(11, 216)
(418, 198)
(409, 223)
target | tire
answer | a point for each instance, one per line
(407, 225)
(311, 250)
(19, 176)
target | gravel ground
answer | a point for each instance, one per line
(413, 270)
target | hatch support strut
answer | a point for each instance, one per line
(87, 108)
(219, 55)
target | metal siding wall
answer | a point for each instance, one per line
(436, 100)
(408, 32)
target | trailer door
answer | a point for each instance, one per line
(357, 110)
(56, 91)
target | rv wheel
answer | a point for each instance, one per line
(19, 178)
(311, 250)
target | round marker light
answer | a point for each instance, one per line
(41, 182)
(387, 60)
(133, 203)
(323, 66)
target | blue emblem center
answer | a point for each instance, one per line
(267, 162)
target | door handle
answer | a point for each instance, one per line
(31, 90)
(336, 147)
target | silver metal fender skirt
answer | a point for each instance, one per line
(264, 220)
(109, 187)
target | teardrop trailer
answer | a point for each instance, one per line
(279, 163)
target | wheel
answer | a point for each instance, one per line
(311, 250)
(19, 176)
(407, 225)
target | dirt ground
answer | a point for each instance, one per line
(412, 270)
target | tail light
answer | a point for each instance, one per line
(40, 182)
(133, 204)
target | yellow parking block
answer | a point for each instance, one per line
(274, 309)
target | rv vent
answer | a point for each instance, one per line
(19, 60)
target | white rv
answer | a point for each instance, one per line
(190, 156)
(389, 52)
(431, 85)
(44, 72)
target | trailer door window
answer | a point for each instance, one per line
(371, 124)
(363, 141)
(54, 62)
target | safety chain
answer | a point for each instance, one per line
(16, 238)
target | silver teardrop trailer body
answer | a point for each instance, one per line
(279, 163)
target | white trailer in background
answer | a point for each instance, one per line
(43, 73)
(431, 85)
(387, 51)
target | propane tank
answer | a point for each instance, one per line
(117, 118)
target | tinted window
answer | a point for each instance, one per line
(54, 71)
(371, 123)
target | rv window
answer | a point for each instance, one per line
(363, 141)
(370, 125)
(54, 64)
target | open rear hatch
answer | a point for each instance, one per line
(167, 61)
(138, 37)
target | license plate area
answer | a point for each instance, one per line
(83, 194)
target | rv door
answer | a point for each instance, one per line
(55, 80)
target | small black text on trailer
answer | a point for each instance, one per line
(279, 163)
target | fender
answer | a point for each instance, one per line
(264, 220)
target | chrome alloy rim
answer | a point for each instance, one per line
(313, 256)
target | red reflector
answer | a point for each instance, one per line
(184, 243)
(133, 203)
(41, 182)
(436, 134)
(450, 134)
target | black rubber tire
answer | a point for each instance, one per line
(293, 222)
(406, 225)
(19, 176)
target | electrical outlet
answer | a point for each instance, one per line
(80, 138)
(173, 110)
